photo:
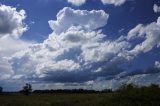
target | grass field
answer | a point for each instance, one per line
(101, 99)
(128, 95)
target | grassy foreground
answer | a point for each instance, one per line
(127, 97)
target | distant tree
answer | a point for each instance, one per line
(154, 86)
(27, 89)
(127, 87)
(1, 89)
(107, 91)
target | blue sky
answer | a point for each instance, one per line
(40, 11)
(90, 44)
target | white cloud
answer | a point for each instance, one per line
(75, 47)
(77, 2)
(11, 29)
(71, 48)
(156, 8)
(5, 69)
(139, 79)
(114, 2)
(11, 21)
(157, 64)
(104, 51)
(75, 51)
(67, 65)
(85, 19)
(149, 35)
(9, 45)
(137, 31)
(158, 21)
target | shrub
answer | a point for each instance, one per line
(27, 89)
(1, 89)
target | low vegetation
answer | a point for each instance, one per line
(127, 95)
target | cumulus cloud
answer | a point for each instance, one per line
(11, 29)
(74, 48)
(149, 38)
(77, 2)
(83, 18)
(5, 69)
(7, 48)
(113, 2)
(138, 79)
(11, 21)
(157, 64)
(156, 8)
(149, 35)
(76, 52)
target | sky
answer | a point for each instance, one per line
(72, 44)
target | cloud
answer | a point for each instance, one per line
(76, 52)
(77, 2)
(11, 29)
(156, 8)
(157, 64)
(5, 69)
(11, 21)
(83, 18)
(114, 2)
(139, 79)
(149, 35)
(7, 48)
(68, 65)
(70, 50)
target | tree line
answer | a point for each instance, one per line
(70, 91)
(27, 89)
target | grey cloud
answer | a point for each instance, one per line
(77, 53)
(11, 21)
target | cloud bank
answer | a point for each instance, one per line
(78, 53)
(11, 29)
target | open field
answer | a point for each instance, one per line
(94, 99)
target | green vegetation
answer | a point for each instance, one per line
(1, 89)
(27, 89)
(128, 95)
